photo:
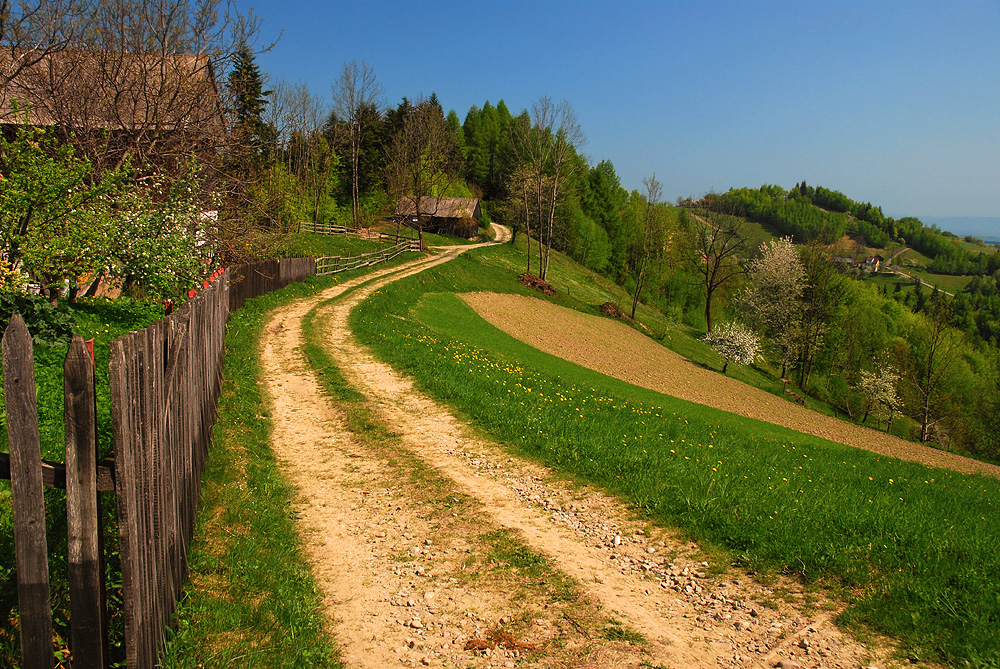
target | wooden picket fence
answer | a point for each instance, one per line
(164, 382)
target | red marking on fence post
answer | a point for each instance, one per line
(90, 347)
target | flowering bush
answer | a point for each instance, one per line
(734, 342)
(157, 244)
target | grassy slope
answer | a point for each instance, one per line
(914, 550)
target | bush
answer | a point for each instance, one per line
(47, 324)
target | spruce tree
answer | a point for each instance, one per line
(246, 85)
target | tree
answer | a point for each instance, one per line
(31, 31)
(355, 95)
(822, 296)
(249, 101)
(160, 231)
(650, 234)
(734, 342)
(712, 251)
(771, 300)
(545, 141)
(54, 210)
(421, 162)
(934, 355)
(879, 389)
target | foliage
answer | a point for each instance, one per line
(55, 218)
(734, 342)
(771, 301)
(246, 87)
(791, 214)
(47, 324)
(160, 237)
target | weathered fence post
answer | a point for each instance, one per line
(28, 502)
(86, 574)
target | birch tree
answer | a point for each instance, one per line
(545, 141)
(356, 93)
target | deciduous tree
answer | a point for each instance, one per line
(356, 94)
(545, 140)
(770, 302)
(650, 234)
(712, 251)
(421, 162)
(734, 342)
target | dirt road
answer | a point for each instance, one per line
(435, 547)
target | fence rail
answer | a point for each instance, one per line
(360, 233)
(164, 380)
(334, 264)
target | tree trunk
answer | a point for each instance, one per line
(638, 287)
(94, 285)
(725, 364)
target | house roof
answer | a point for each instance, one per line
(441, 207)
(112, 91)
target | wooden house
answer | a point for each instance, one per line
(457, 216)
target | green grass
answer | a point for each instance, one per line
(949, 282)
(911, 259)
(914, 549)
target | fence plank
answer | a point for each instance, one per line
(120, 372)
(86, 575)
(28, 500)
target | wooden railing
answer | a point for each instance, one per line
(334, 264)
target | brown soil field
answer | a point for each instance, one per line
(617, 350)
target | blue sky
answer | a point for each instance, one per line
(897, 103)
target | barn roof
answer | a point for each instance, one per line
(111, 90)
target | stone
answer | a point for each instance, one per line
(617, 540)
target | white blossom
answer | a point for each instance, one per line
(735, 343)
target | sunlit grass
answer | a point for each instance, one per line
(915, 549)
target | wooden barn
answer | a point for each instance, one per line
(457, 216)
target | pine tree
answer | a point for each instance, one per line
(246, 85)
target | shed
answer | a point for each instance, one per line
(457, 216)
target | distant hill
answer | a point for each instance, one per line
(984, 227)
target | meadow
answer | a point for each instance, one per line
(911, 551)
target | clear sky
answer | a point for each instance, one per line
(897, 103)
